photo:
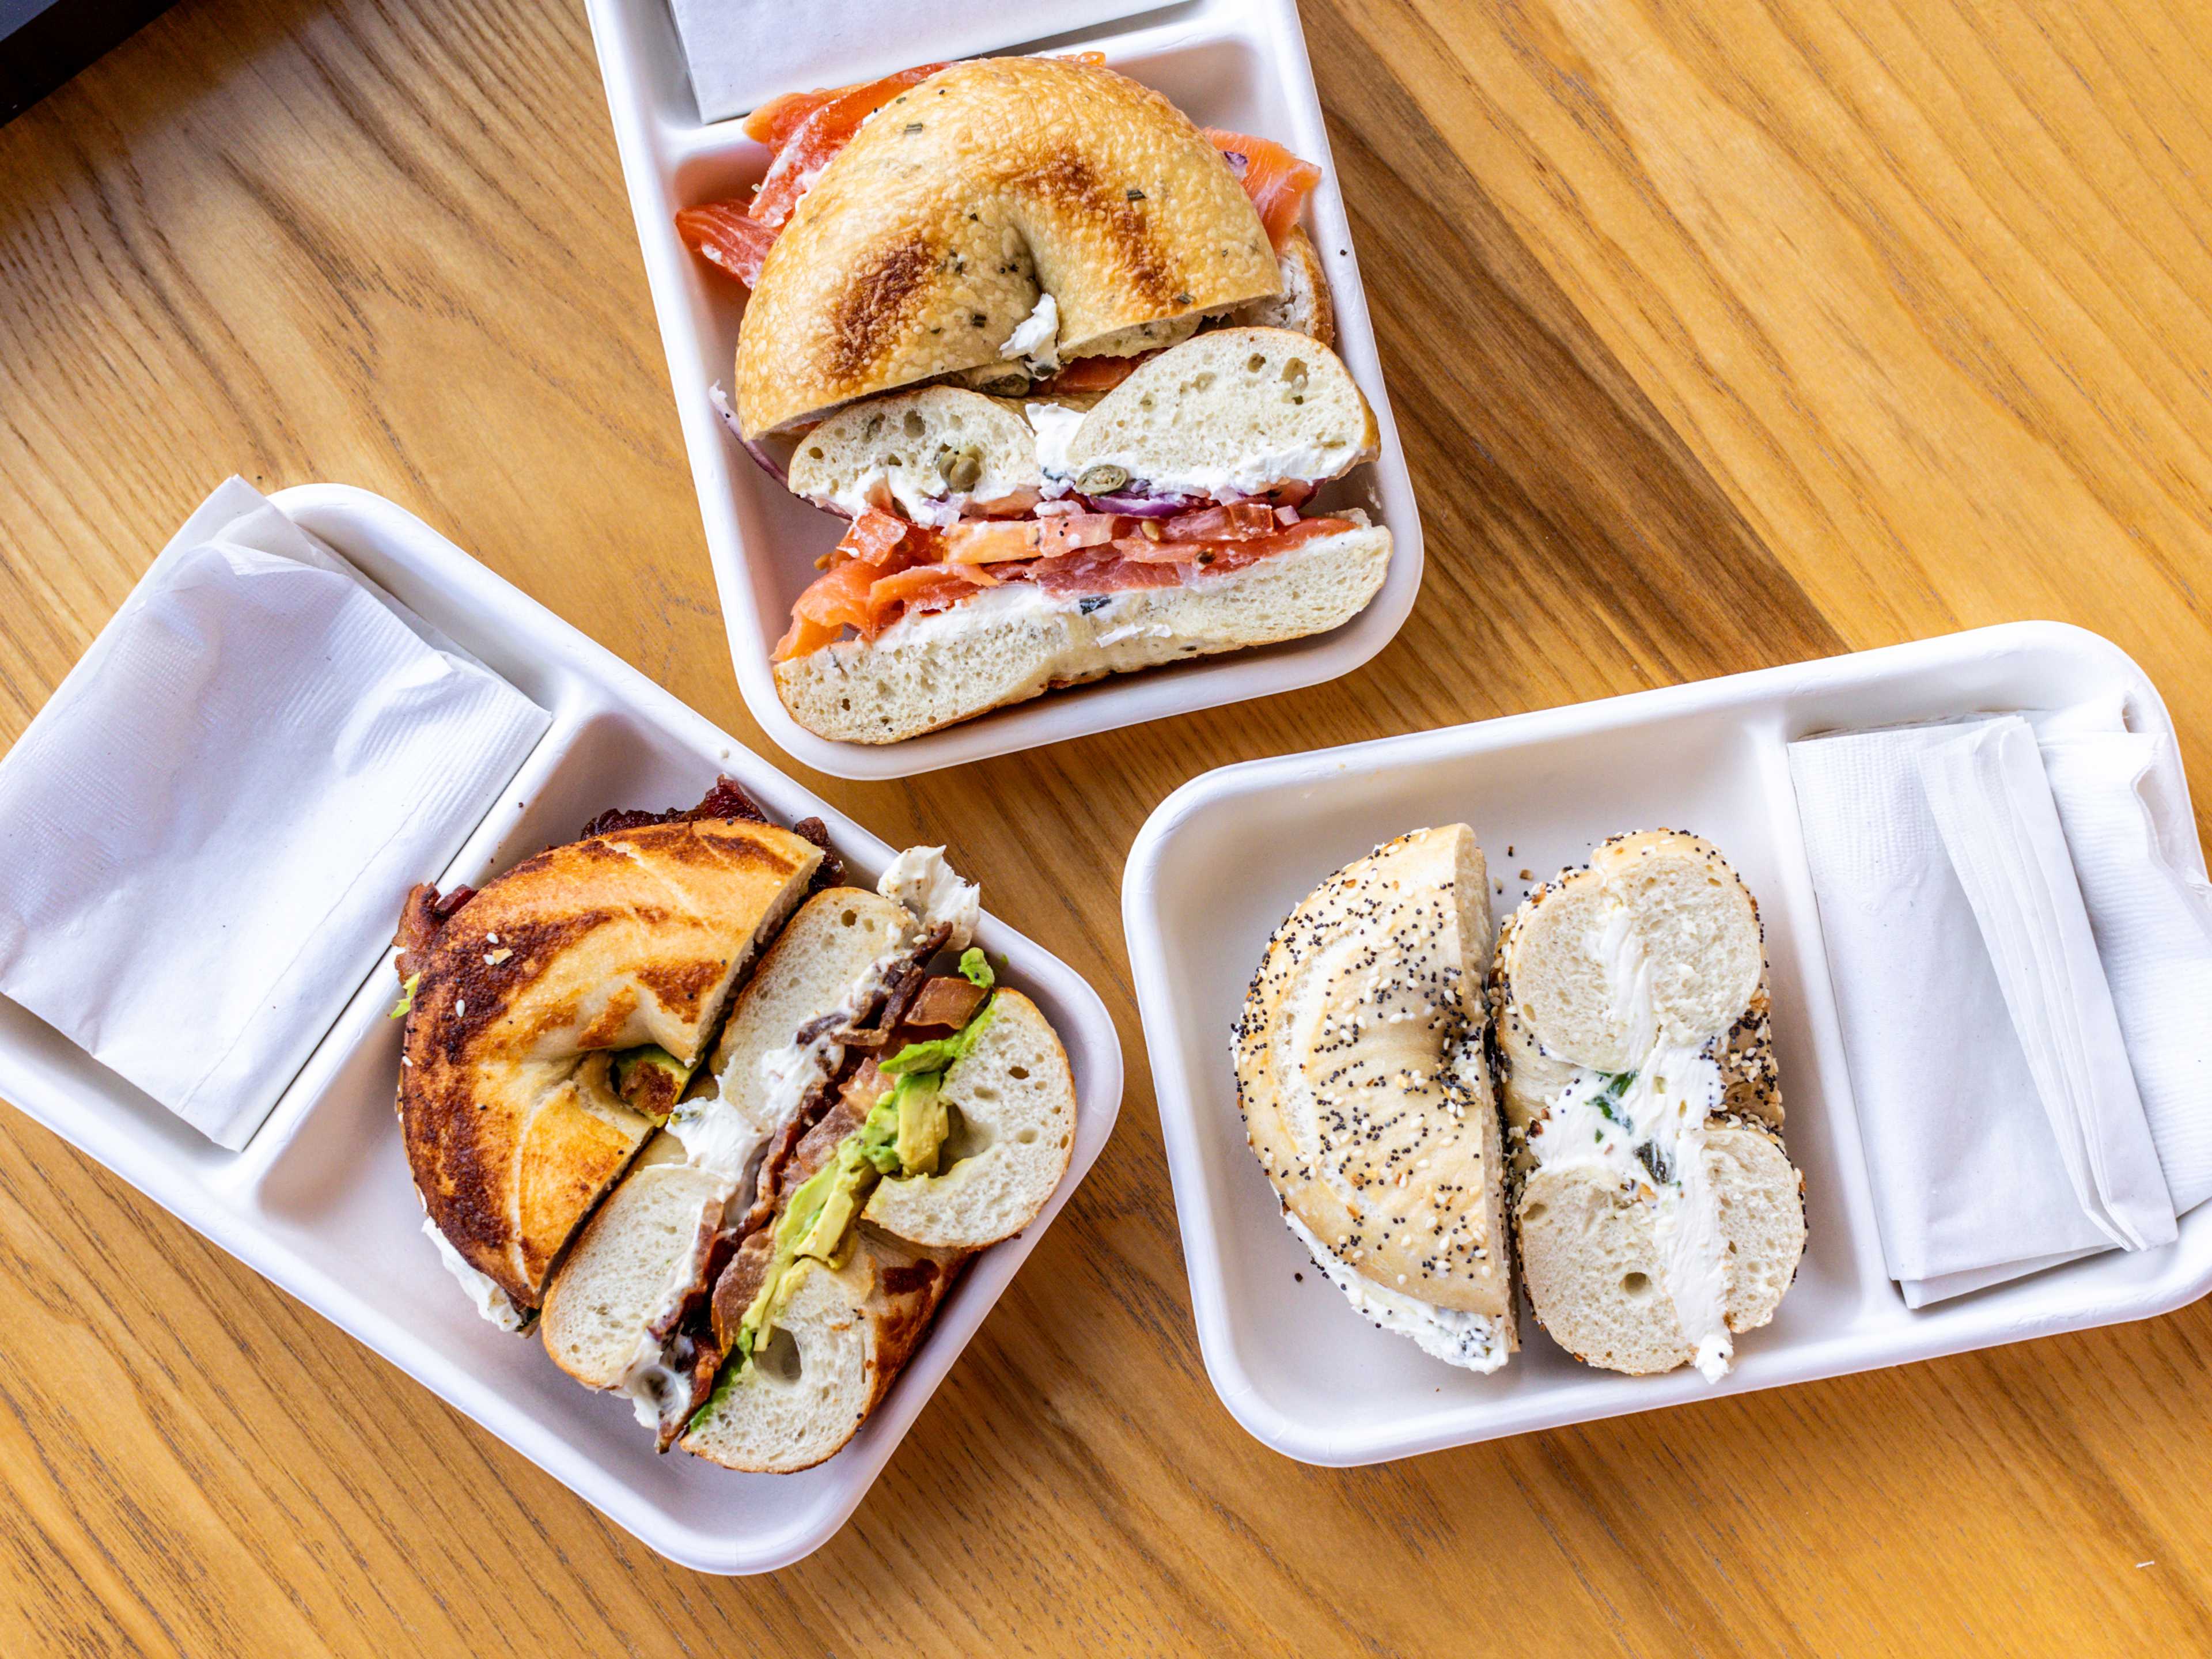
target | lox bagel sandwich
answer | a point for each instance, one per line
(1367, 1094)
(1062, 360)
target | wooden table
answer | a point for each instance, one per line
(1720, 336)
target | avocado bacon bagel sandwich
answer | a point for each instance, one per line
(1062, 360)
(721, 1127)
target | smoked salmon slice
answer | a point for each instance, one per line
(1277, 181)
(804, 131)
(728, 237)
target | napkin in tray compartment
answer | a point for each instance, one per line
(743, 53)
(206, 834)
(1972, 1184)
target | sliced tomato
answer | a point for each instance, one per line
(1277, 181)
(723, 233)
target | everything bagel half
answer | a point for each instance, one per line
(552, 1016)
(931, 238)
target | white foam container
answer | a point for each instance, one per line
(321, 1201)
(1226, 857)
(1234, 64)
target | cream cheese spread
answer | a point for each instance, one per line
(921, 880)
(1644, 1129)
(493, 1303)
(1055, 426)
(1474, 1341)
(1036, 341)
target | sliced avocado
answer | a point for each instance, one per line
(923, 1122)
(975, 967)
(903, 1133)
(939, 1054)
(650, 1079)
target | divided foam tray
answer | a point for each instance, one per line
(320, 1201)
(1234, 64)
(1292, 1361)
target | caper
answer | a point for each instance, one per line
(960, 468)
(1103, 479)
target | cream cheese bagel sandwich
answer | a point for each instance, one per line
(1656, 1213)
(1367, 1095)
(1061, 359)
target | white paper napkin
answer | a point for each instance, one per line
(205, 835)
(2143, 882)
(743, 53)
(1970, 1184)
(1992, 805)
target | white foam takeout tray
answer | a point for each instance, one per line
(1226, 857)
(320, 1202)
(1234, 64)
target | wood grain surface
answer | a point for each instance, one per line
(1720, 336)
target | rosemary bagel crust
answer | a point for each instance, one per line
(931, 237)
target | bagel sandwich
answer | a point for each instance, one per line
(1062, 359)
(1656, 1213)
(1367, 1097)
(1160, 522)
(853, 1078)
(554, 1016)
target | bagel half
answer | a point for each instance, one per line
(931, 238)
(613, 1309)
(838, 1346)
(932, 456)
(1657, 1211)
(1368, 1100)
(1015, 641)
(1226, 415)
(523, 996)
(1013, 1103)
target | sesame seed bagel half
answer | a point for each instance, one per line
(1367, 1098)
(931, 238)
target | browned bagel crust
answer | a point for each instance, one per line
(607, 943)
(926, 240)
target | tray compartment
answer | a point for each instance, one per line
(1230, 62)
(1291, 1360)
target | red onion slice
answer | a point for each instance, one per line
(1142, 507)
(767, 462)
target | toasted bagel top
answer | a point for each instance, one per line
(928, 239)
(512, 1128)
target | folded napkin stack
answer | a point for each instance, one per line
(205, 835)
(743, 53)
(2019, 935)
